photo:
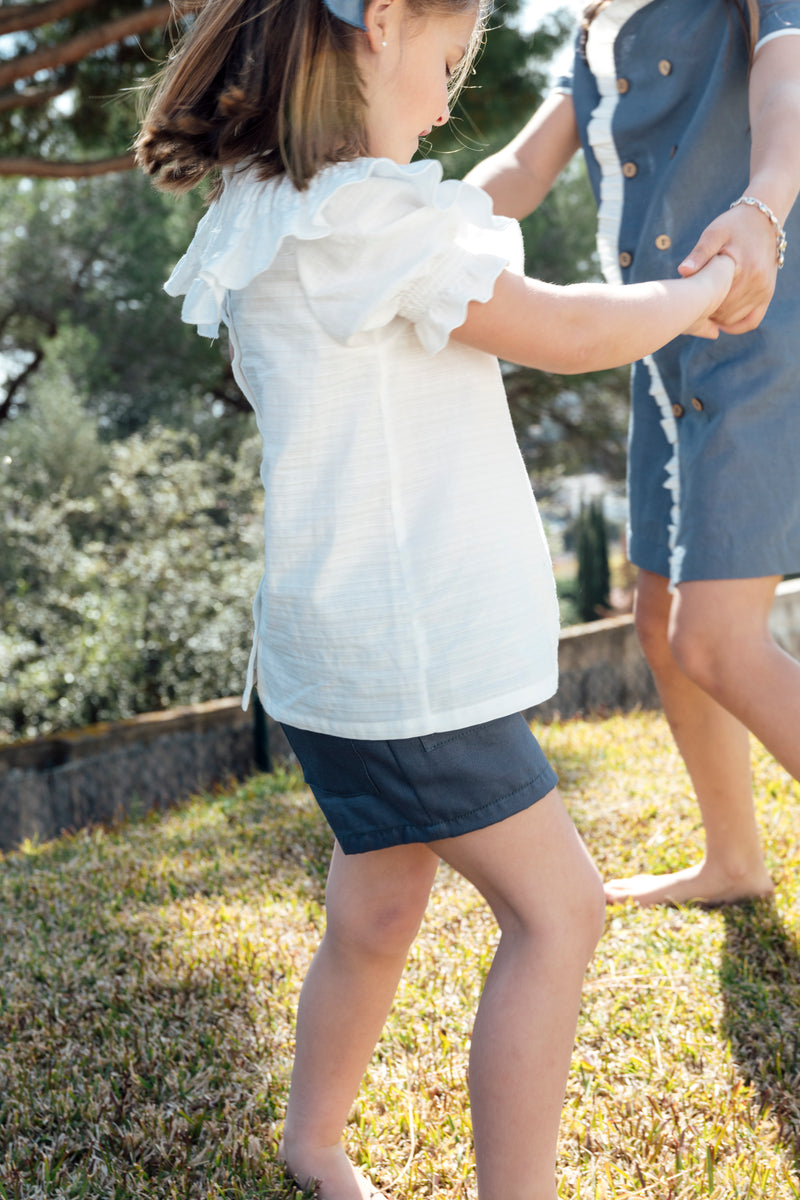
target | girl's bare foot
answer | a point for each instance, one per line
(329, 1167)
(699, 884)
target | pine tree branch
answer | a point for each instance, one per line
(14, 385)
(30, 97)
(33, 16)
(48, 57)
(43, 168)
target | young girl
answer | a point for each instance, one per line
(408, 611)
(688, 115)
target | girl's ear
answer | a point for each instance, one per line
(379, 19)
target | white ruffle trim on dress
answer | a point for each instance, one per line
(673, 481)
(407, 243)
(600, 56)
(600, 52)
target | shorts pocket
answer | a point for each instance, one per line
(330, 764)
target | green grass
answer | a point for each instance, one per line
(149, 976)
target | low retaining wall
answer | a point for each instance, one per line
(108, 771)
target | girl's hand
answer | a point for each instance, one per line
(718, 274)
(744, 235)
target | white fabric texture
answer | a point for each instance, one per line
(408, 586)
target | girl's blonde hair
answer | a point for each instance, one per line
(746, 10)
(273, 83)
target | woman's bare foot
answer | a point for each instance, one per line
(329, 1167)
(699, 884)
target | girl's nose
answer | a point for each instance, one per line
(444, 118)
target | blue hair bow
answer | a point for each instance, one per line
(351, 11)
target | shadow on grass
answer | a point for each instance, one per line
(760, 981)
(149, 978)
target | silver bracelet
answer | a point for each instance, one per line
(780, 232)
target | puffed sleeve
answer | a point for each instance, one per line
(403, 244)
(375, 241)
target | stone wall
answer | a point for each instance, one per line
(108, 771)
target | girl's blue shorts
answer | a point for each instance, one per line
(376, 794)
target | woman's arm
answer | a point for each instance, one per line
(592, 326)
(520, 175)
(744, 233)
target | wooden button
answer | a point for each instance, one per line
(625, 258)
(665, 66)
(629, 170)
(663, 241)
(623, 85)
(697, 404)
(677, 410)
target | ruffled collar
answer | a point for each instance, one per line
(244, 227)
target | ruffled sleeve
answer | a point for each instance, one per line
(405, 244)
(376, 241)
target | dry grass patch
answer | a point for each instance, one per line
(149, 976)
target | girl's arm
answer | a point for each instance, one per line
(592, 326)
(520, 175)
(745, 233)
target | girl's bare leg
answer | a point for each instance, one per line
(543, 888)
(375, 903)
(697, 645)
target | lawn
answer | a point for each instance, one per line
(150, 973)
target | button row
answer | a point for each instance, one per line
(664, 68)
(678, 409)
(663, 242)
(630, 170)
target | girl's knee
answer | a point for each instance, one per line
(590, 919)
(572, 924)
(377, 911)
(384, 928)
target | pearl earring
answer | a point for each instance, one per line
(383, 44)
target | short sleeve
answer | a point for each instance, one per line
(374, 240)
(404, 244)
(562, 86)
(777, 18)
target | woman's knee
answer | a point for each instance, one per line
(695, 649)
(651, 614)
(718, 627)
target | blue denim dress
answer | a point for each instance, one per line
(714, 443)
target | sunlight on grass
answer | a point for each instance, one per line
(150, 974)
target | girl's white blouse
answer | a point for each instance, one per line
(408, 586)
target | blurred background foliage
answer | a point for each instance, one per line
(129, 493)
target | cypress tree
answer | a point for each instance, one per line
(594, 577)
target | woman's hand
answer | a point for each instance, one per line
(745, 233)
(746, 236)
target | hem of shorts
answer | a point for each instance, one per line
(433, 722)
(477, 818)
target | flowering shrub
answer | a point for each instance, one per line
(127, 570)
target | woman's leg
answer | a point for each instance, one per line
(720, 637)
(543, 888)
(375, 903)
(713, 742)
